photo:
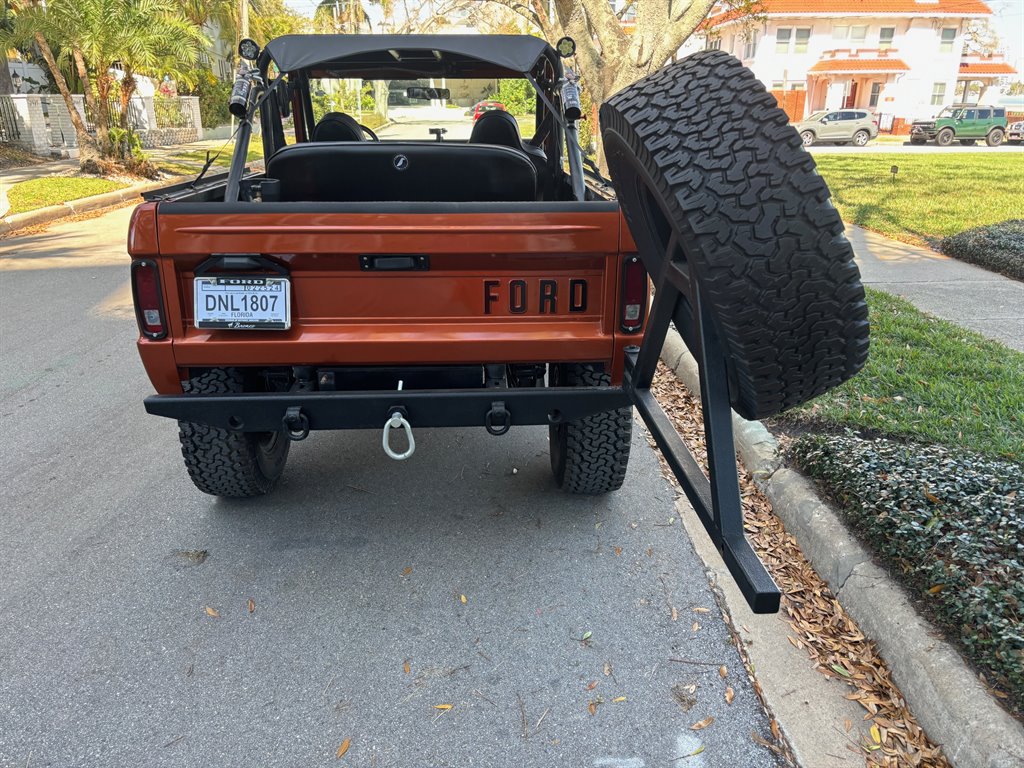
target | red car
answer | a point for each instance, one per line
(485, 106)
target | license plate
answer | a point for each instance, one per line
(243, 302)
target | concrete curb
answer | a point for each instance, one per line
(944, 694)
(82, 205)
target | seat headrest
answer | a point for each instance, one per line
(337, 126)
(496, 127)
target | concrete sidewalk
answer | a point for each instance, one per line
(975, 298)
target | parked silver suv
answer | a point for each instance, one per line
(840, 126)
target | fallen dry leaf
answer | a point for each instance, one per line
(936, 589)
(700, 610)
(696, 626)
(251, 605)
(462, 599)
(607, 669)
(407, 667)
(775, 729)
(443, 706)
(618, 699)
(212, 613)
(592, 708)
(343, 748)
(876, 735)
(702, 724)
(729, 695)
(407, 570)
(847, 725)
(932, 497)
(821, 626)
(723, 671)
(618, 551)
(592, 685)
(675, 614)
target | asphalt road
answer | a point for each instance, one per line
(126, 635)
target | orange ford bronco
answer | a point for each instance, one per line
(458, 273)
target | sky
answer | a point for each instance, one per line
(1007, 21)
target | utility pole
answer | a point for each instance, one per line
(244, 18)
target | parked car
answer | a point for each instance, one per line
(839, 126)
(483, 107)
(965, 123)
(1015, 133)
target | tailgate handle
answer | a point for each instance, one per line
(394, 262)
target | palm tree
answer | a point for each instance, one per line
(33, 24)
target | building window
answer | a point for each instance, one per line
(778, 85)
(840, 32)
(885, 36)
(938, 94)
(858, 34)
(751, 46)
(714, 44)
(948, 37)
(797, 86)
(876, 91)
(800, 42)
(782, 36)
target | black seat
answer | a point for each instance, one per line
(398, 171)
(337, 126)
(500, 128)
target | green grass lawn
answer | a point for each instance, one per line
(934, 195)
(929, 380)
(224, 160)
(53, 190)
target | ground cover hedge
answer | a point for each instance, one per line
(999, 247)
(951, 526)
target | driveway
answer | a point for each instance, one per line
(452, 610)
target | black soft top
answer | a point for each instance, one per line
(398, 56)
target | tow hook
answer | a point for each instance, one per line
(296, 423)
(498, 420)
(397, 420)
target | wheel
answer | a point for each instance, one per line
(995, 137)
(807, 137)
(968, 142)
(226, 463)
(589, 456)
(944, 137)
(703, 160)
(860, 138)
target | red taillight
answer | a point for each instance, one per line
(149, 308)
(634, 294)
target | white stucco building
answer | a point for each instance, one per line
(901, 59)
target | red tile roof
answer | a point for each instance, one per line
(859, 8)
(836, 66)
(986, 68)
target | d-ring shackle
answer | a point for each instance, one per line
(395, 421)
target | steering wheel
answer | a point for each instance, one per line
(369, 133)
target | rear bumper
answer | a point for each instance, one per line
(262, 412)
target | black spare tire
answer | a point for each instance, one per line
(700, 154)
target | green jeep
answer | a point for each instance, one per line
(964, 122)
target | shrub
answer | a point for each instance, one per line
(213, 97)
(517, 95)
(999, 247)
(168, 112)
(951, 522)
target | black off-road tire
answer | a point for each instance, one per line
(226, 463)
(995, 137)
(589, 456)
(944, 137)
(701, 150)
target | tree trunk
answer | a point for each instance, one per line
(6, 86)
(103, 84)
(127, 89)
(83, 75)
(88, 151)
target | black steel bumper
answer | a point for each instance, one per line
(496, 409)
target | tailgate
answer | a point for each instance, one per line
(503, 283)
